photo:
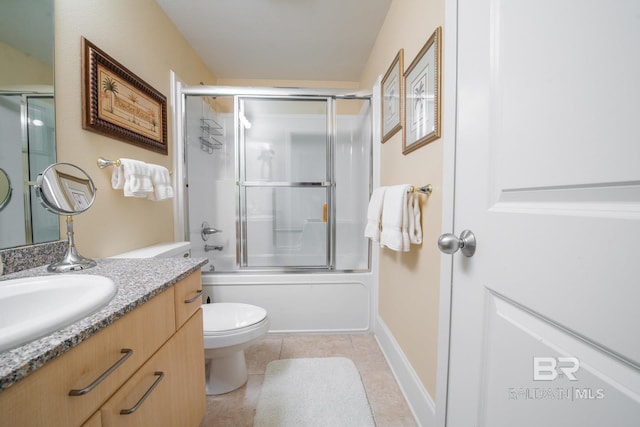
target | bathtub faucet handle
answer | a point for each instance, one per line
(205, 231)
(210, 230)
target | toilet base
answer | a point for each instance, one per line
(225, 374)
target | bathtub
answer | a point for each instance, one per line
(300, 302)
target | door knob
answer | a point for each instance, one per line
(449, 243)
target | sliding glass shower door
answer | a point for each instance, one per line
(277, 179)
(285, 182)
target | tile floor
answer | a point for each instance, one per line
(237, 409)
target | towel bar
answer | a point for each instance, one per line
(103, 163)
(427, 189)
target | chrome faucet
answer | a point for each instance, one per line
(208, 248)
(210, 230)
(205, 231)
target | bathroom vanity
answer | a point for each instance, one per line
(138, 361)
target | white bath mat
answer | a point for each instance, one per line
(316, 392)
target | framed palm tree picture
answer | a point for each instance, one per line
(422, 96)
(392, 96)
(119, 104)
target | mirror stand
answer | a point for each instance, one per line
(72, 260)
(65, 189)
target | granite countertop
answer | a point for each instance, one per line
(137, 281)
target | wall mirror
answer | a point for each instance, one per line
(27, 118)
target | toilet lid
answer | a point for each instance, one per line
(224, 316)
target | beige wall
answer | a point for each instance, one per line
(140, 36)
(24, 69)
(408, 293)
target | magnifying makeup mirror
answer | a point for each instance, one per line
(65, 189)
(5, 189)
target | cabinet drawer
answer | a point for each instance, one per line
(188, 293)
(169, 389)
(42, 398)
(94, 421)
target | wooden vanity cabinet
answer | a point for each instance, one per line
(174, 401)
(157, 344)
(188, 297)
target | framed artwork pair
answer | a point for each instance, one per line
(411, 99)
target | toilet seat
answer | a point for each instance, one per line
(230, 318)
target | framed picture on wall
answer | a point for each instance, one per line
(422, 100)
(119, 104)
(392, 97)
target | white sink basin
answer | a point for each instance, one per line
(33, 307)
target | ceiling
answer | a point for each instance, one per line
(326, 40)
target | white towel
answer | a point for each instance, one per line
(395, 219)
(401, 224)
(374, 213)
(415, 226)
(133, 177)
(161, 181)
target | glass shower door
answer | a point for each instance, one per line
(285, 182)
(41, 152)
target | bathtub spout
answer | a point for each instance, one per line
(208, 248)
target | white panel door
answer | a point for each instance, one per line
(545, 315)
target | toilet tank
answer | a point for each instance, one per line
(160, 250)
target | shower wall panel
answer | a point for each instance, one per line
(211, 181)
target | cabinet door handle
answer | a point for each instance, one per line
(80, 392)
(190, 300)
(135, 407)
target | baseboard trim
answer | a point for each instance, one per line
(420, 402)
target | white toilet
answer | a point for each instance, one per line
(229, 328)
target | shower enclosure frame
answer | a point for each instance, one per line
(278, 94)
(328, 184)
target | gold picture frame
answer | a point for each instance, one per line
(422, 96)
(119, 104)
(392, 98)
(78, 192)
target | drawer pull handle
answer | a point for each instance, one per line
(135, 407)
(190, 300)
(80, 392)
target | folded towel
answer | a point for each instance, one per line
(415, 226)
(374, 213)
(133, 177)
(161, 181)
(395, 219)
(117, 178)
